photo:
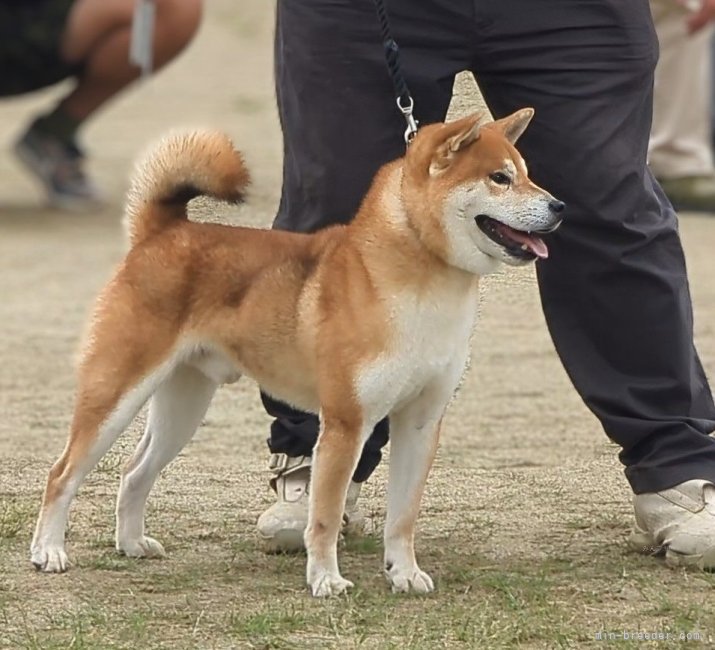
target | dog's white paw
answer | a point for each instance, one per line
(327, 584)
(404, 580)
(49, 559)
(142, 547)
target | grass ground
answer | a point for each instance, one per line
(525, 515)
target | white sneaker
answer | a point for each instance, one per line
(678, 522)
(281, 526)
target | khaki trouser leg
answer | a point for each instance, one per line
(680, 136)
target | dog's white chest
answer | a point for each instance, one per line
(431, 340)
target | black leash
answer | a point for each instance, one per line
(392, 55)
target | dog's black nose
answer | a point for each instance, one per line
(556, 206)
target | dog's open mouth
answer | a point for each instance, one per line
(519, 244)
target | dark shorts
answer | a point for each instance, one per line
(30, 36)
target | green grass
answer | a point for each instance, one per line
(212, 593)
(367, 545)
(270, 627)
(16, 517)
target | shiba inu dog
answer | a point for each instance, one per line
(354, 322)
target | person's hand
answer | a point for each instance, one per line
(701, 15)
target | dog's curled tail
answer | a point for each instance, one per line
(182, 166)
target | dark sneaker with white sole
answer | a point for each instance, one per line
(60, 169)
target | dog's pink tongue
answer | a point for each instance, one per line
(535, 244)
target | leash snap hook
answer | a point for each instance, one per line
(406, 109)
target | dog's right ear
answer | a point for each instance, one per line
(456, 136)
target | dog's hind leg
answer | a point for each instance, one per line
(106, 403)
(175, 412)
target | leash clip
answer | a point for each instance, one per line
(412, 123)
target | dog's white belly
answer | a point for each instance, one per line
(221, 368)
(214, 364)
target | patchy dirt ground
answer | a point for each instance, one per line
(526, 511)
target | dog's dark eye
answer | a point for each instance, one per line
(500, 178)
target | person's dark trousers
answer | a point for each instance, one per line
(294, 433)
(614, 289)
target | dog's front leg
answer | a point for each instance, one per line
(334, 460)
(414, 433)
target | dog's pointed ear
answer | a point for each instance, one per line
(467, 132)
(515, 124)
(457, 135)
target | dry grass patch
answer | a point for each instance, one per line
(232, 596)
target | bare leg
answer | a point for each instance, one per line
(97, 35)
(96, 38)
(175, 412)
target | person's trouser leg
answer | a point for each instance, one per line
(614, 289)
(680, 136)
(340, 124)
(712, 91)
